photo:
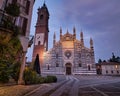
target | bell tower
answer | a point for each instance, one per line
(41, 33)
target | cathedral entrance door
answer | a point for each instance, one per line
(68, 68)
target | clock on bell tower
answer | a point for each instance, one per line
(41, 33)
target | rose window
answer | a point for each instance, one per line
(68, 54)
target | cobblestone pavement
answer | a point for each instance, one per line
(80, 85)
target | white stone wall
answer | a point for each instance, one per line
(86, 58)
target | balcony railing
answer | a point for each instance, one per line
(8, 22)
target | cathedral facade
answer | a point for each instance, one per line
(68, 56)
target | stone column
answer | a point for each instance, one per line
(21, 81)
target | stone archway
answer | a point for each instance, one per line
(68, 68)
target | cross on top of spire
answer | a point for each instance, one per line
(44, 3)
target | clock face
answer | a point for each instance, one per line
(39, 39)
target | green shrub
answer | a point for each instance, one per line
(41, 80)
(30, 76)
(50, 79)
(4, 76)
(4, 72)
(15, 69)
(54, 78)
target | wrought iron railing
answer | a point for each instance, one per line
(8, 22)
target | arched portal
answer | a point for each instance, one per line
(68, 68)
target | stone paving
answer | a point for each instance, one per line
(75, 85)
(80, 85)
(17, 90)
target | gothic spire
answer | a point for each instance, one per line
(67, 31)
(60, 32)
(91, 43)
(81, 36)
(54, 35)
(44, 5)
(54, 39)
(74, 32)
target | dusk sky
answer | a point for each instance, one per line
(98, 19)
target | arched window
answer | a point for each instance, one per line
(39, 42)
(57, 65)
(117, 72)
(41, 16)
(48, 67)
(88, 56)
(80, 65)
(112, 71)
(56, 55)
(106, 71)
(89, 68)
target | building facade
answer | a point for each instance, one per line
(69, 56)
(109, 68)
(23, 21)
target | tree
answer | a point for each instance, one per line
(15, 70)
(10, 47)
(4, 71)
(29, 76)
(99, 61)
(104, 60)
(36, 66)
(113, 57)
(118, 59)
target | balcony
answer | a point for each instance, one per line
(6, 21)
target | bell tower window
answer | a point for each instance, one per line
(39, 42)
(80, 65)
(41, 17)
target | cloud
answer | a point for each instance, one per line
(99, 19)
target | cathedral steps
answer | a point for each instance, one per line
(85, 72)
